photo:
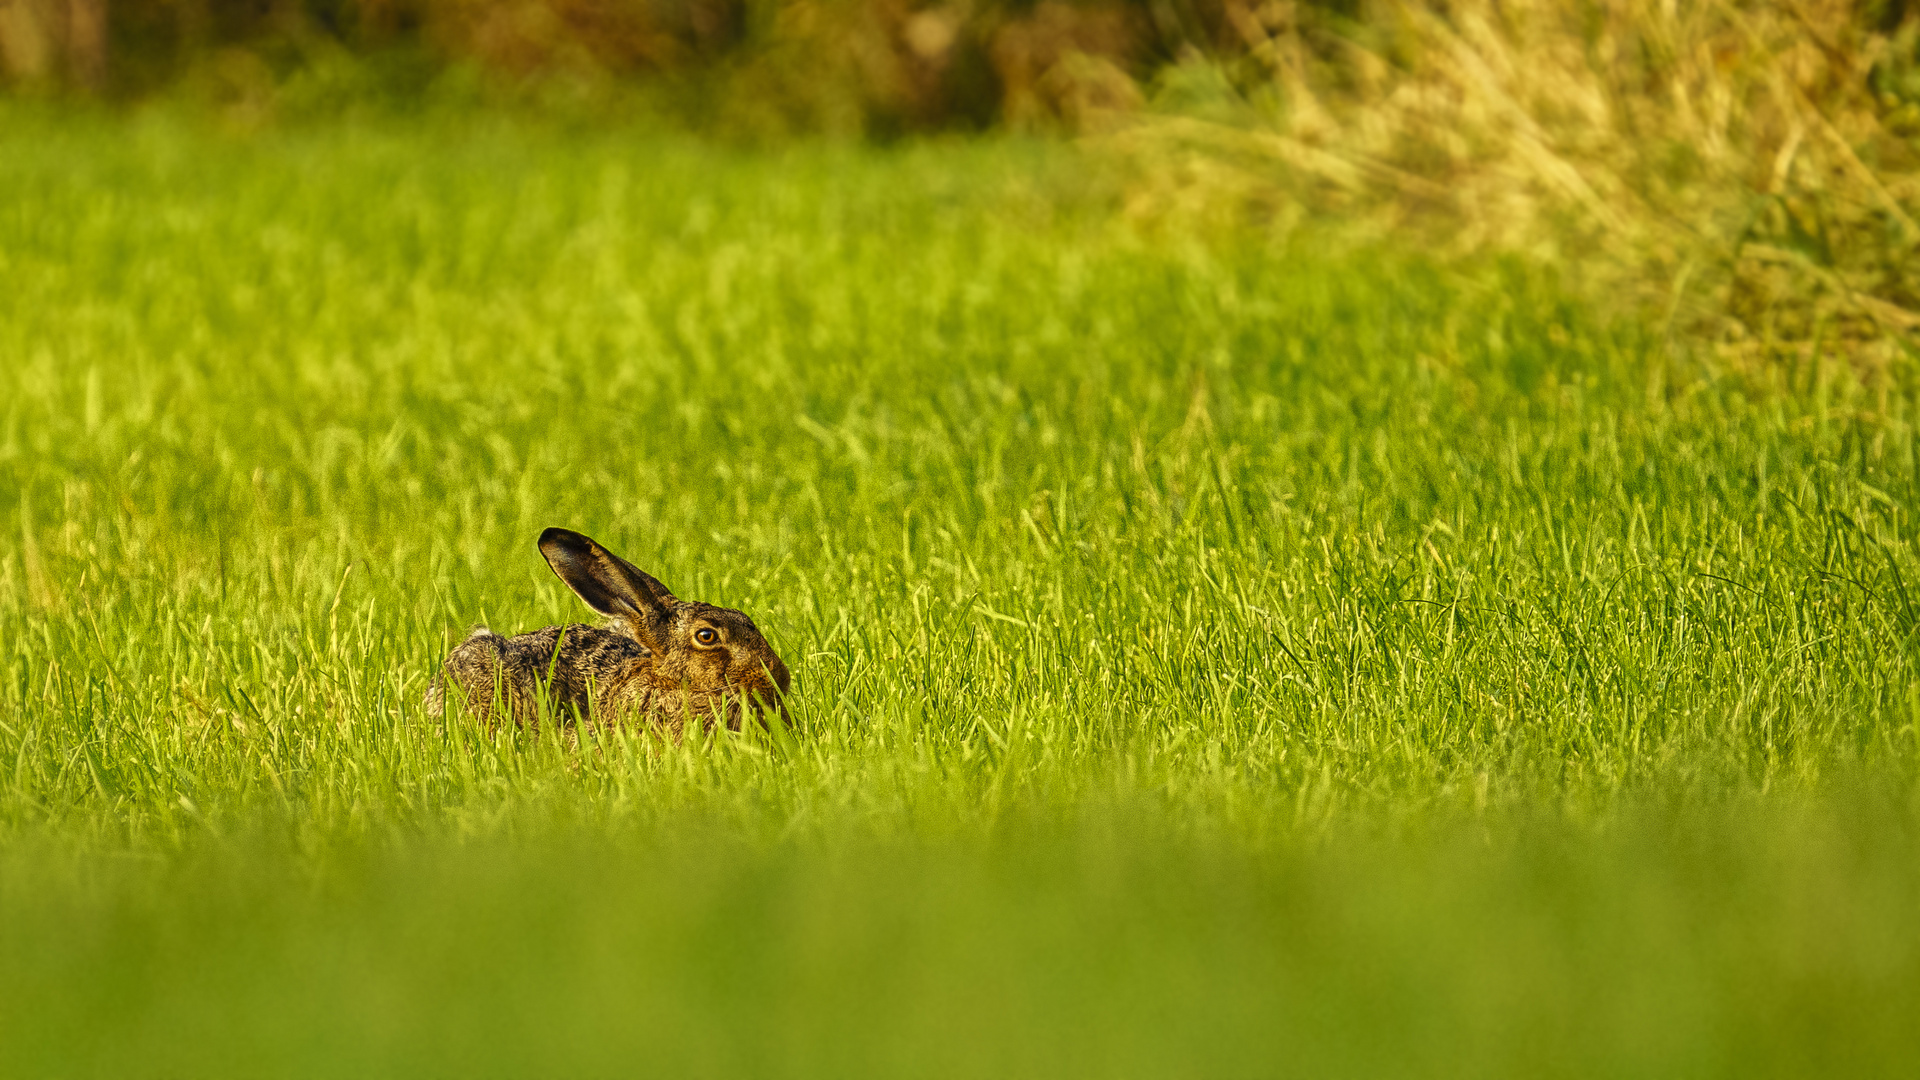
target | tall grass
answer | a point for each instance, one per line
(1746, 174)
(1206, 656)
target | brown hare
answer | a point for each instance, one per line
(662, 660)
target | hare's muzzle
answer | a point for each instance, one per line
(766, 687)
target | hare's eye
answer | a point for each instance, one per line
(705, 635)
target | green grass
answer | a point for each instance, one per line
(1212, 658)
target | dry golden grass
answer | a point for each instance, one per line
(1746, 170)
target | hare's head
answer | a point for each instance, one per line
(711, 651)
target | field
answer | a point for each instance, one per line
(1214, 655)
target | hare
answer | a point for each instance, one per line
(662, 660)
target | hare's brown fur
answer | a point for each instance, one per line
(661, 660)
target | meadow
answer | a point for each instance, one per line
(1214, 655)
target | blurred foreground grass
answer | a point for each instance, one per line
(1212, 658)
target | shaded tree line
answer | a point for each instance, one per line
(867, 64)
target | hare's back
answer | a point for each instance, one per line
(567, 660)
(576, 643)
(560, 665)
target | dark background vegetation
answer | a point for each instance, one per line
(890, 65)
(869, 66)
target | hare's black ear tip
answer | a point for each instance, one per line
(555, 537)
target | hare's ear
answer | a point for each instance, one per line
(611, 585)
